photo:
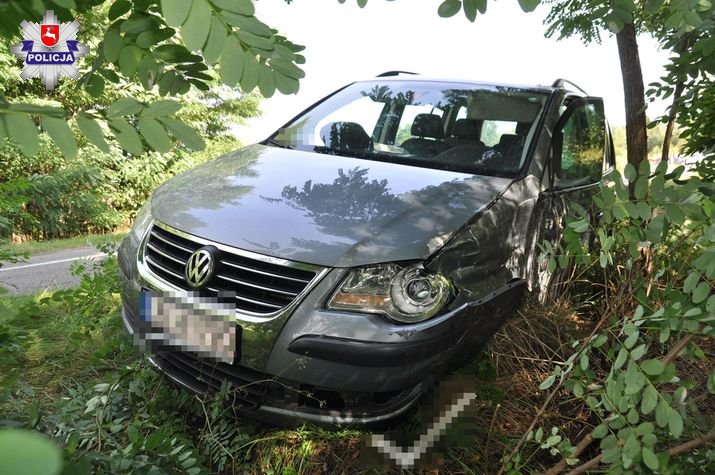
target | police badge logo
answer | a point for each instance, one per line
(50, 50)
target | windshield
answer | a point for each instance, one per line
(476, 129)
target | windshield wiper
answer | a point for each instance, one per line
(274, 143)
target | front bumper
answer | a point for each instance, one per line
(330, 368)
(275, 400)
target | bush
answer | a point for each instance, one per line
(641, 378)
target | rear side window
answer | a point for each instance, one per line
(492, 131)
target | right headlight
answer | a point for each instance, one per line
(408, 294)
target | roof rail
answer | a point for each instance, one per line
(395, 73)
(563, 82)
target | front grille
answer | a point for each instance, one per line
(250, 387)
(260, 287)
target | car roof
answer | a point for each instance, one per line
(401, 76)
(419, 78)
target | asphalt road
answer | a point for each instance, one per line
(49, 270)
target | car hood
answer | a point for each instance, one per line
(322, 209)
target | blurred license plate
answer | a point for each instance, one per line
(185, 320)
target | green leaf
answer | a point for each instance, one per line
(249, 79)
(248, 23)
(175, 11)
(662, 413)
(652, 367)
(652, 6)
(361, 3)
(470, 9)
(285, 84)
(118, 8)
(23, 131)
(160, 108)
(255, 41)
(215, 42)
(649, 458)
(25, 452)
(125, 106)
(645, 428)
(61, 134)
(620, 359)
(183, 132)
(242, 7)
(148, 71)
(287, 69)
(600, 431)
(482, 6)
(129, 60)
(691, 281)
(195, 29)
(95, 85)
(631, 340)
(649, 399)
(112, 45)
(701, 292)
(641, 188)
(675, 423)
(638, 352)
(132, 434)
(92, 131)
(149, 38)
(155, 135)
(632, 447)
(232, 59)
(644, 210)
(449, 8)
(529, 5)
(135, 25)
(266, 82)
(548, 382)
(174, 54)
(68, 4)
(126, 136)
(630, 172)
(634, 379)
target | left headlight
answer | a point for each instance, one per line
(141, 221)
(408, 294)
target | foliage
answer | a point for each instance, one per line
(170, 48)
(46, 195)
(642, 374)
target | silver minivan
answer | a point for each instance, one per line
(376, 241)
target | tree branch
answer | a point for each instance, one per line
(677, 450)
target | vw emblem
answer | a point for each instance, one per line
(200, 267)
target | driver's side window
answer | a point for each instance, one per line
(583, 147)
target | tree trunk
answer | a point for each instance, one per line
(673, 113)
(634, 95)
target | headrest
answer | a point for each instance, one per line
(522, 128)
(346, 136)
(510, 140)
(427, 125)
(466, 129)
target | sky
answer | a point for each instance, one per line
(345, 43)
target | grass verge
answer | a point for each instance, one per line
(37, 247)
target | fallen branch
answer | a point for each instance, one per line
(677, 450)
(559, 467)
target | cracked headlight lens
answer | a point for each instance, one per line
(408, 294)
